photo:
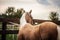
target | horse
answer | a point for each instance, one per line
(43, 31)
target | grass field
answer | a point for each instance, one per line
(11, 37)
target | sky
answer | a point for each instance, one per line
(40, 8)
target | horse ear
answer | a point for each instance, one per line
(30, 11)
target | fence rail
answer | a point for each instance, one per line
(9, 31)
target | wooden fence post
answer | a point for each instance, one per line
(4, 30)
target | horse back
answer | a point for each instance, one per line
(48, 31)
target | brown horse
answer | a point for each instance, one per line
(43, 31)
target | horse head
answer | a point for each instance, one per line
(28, 17)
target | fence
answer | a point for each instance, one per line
(3, 32)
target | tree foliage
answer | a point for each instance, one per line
(19, 12)
(10, 10)
(11, 13)
(54, 16)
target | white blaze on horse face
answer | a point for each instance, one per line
(58, 28)
(22, 20)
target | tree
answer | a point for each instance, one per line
(10, 11)
(54, 16)
(19, 12)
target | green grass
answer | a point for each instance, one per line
(11, 37)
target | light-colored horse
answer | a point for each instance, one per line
(43, 31)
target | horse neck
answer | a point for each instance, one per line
(22, 20)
